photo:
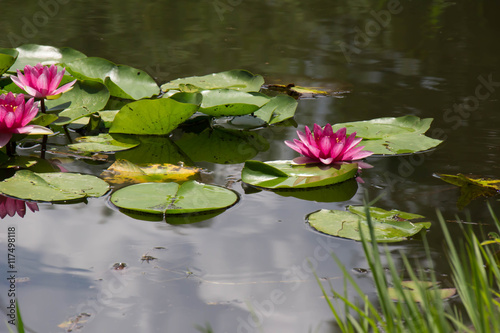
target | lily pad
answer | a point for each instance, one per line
(390, 136)
(86, 97)
(240, 80)
(284, 174)
(7, 59)
(297, 91)
(32, 54)
(172, 198)
(471, 187)
(123, 171)
(219, 145)
(152, 117)
(122, 81)
(227, 102)
(104, 143)
(389, 226)
(54, 187)
(279, 108)
(107, 117)
(412, 290)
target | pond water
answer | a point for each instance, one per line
(246, 270)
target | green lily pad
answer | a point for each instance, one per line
(235, 79)
(219, 145)
(152, 117)
(227, 102)
(104, 143)
(390, 136)
(7, 59)
(172, 198)
(32, 54)
(389, 226)
(283, 174)
(86, 97)
(412, 290)
(43, 119)
(53, 187)
(107, 118)
(279, 108)
(122, 81)
(471, 188)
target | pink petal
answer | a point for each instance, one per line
(362, 154)
(328, 131)
(349, 155)
(4, 138)
(9, 119)
(10, 206)
(33, 92)
(341, 133)
(304, 160)
(328, 160)
(325, 145)
(64, 88)
(42, 84)
(19, 80)
(23, 130)
(55, 80)
(32, 206)
(20, 208)
(318, 132)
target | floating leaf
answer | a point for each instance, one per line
(221, 145)
(122, 81)
(7, 59)
(172, 198)
(283, 174)
(123, 171)
(43, 119)
(104, 143)
(86, 97)
(471, 188)
(412, 290)
(298, 91)
(152, 117)
(227, 102)
(389, 136)
(235, 79)
(32, 54)
(107, 118)
(388, 226)
(277, 109)
(57, 186)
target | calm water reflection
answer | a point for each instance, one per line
(429, 58)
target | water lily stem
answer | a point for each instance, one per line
(42, 105)
(10, 149)
(44, 147)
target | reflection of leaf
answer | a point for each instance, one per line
(235, 79)
(172, 198)
(471, 188)
(57, 186)
(389, 136)
(333, 193)
(419, 291)
(154, 150)
(104, 143)
(221, 145)
(123, 171)
(282, 174)
(389, 226)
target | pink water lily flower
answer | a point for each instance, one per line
(42, 81)
(15, 114)
(327, 147)
(10, 206)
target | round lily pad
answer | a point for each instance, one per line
(283, 174)
(104, 143)
(389, 226)
(55, 186)
(172, 198)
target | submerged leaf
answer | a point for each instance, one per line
(412, 290)
(123, 171)
(471, 188)
(389, 226)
